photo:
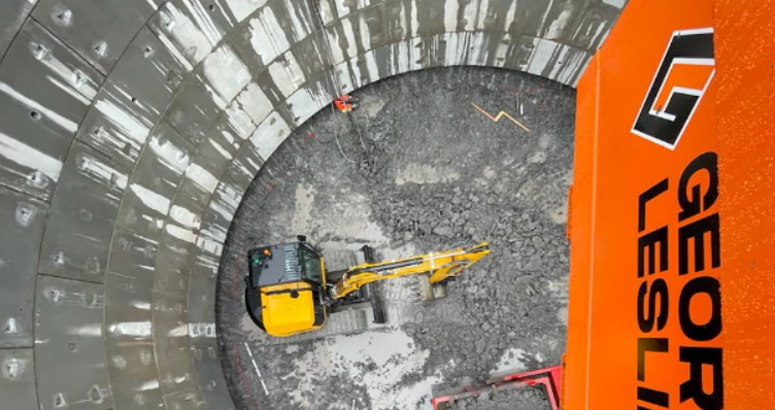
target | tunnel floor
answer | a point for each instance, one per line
(420, 169)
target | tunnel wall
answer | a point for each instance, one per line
(128, 135)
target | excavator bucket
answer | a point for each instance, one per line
(428, 291)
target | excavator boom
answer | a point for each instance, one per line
(437, 265)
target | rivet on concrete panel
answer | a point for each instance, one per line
(134, 376)
(128, 323)
(148, 73)
(46, 89)
(209, 373)
(97, 31)
(170, 319)
(69, 346)
(62, 15)
(172, 268)
(128, 106)
(189, 30)
(84, 210)
(128, 308)
(217, 17)
(17, 379)
(21, 221)
(112, 129)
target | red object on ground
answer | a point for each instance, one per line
(550, 378)
(345, 103)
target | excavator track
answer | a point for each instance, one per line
(343, 323)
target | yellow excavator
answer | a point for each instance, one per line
(289, 291)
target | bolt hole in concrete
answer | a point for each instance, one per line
(431, 171)
(36, 115)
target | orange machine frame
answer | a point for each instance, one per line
(672, 236)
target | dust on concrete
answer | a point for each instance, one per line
(509, 398)
(434, 173)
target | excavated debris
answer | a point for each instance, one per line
(518, 398)
(427, 172)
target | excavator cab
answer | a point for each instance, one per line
(286, 288)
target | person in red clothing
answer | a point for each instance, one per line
(346, 103)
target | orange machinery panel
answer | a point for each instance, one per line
(672, 297)
(745, 48)
(645, 327)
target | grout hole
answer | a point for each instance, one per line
(35, 115)
(211, 7)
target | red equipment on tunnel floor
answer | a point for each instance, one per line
(346, 103)
(550, 378)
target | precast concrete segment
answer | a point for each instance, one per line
(128, 136)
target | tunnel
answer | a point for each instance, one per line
(130, 134)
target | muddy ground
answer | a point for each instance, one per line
(420, 169)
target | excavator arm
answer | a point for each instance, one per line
(438, 266)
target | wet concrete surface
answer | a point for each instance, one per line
(417, 168)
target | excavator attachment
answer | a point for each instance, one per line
(437, 266)
(428, 291)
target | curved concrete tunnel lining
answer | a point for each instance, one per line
(144, 203)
